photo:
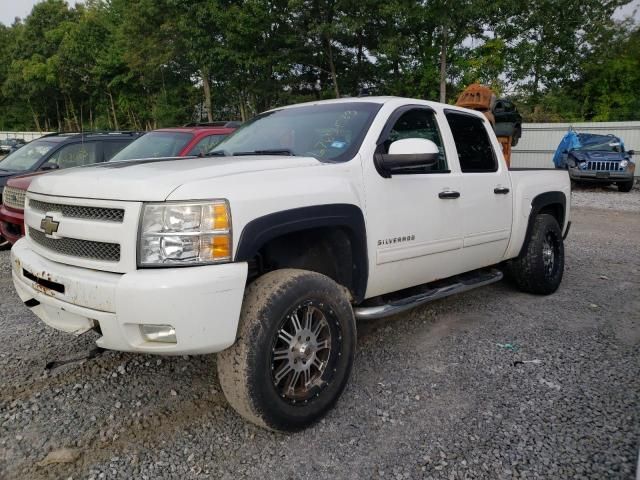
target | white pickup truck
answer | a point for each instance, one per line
(268, 250)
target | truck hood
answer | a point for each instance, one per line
(153, 180)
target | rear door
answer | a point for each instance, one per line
(485, 191)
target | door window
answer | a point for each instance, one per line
(418, 123)
(472, 143)
(75, 155)
(206, 144)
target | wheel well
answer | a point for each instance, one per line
(552, 203)
(556, 211)
(326, 250)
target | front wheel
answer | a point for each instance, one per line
(540, 266)
(4, 243)
(625, 186)
(294, 353)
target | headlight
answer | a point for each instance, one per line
(185, 233)
(624, 163)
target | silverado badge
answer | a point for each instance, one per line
(49, 226)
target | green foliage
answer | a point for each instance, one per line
(140, 64)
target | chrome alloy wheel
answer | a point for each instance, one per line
(549, 247)
(302, 352)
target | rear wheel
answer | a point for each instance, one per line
(540, 267)
(625, 186)
(294, 352)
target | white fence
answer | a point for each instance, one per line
(540, 140)
(26, 136)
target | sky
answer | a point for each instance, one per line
(9, 9)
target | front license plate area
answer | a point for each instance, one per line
(43, 282)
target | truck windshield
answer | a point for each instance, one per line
(26, 157)
(154, 145)
(329, 132)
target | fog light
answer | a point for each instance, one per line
(158, 333)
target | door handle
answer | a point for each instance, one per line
(449, 194)
(501, 190)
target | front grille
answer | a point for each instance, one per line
(603, 166)
(14, 197)
(73, 247)
(75, 211)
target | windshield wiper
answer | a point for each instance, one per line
(273, 151)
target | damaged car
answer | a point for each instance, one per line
(593, 158)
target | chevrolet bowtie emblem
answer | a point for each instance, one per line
(48, 225)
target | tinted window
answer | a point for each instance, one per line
(206, 144)
(112, 147)
(472, 143)
(26, 157)
(331, 132)
(75, 155)
(155, 145)
(418, 123)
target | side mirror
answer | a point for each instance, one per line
(406, 154)
(631, 152)
(50, 166)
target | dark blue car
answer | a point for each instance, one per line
(592, 158)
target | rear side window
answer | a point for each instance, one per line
(75, 155)
(112, 147)
(472, 143)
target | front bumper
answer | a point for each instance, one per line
(11, 224)
(201, 303)
(599, 176)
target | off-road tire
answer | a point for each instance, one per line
(246, 369)
(4, 244)
(625, 186)
(528, 270)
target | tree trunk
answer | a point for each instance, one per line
(332, 68)
(67, 118)
(35, 118)
(443, 66)
(59, 120)
(113, 110)
(75, 117)
(206, 86)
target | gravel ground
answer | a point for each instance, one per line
(435, 393)
(607, 198)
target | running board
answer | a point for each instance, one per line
(459, 284)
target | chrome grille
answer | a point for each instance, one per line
(74, 247)
(75, 211)
(601, 166)
(14, 197)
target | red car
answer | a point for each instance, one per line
(190, 140)
(194, 139)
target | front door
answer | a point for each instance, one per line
(413, 231)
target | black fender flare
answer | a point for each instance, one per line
(263, 229)
(540, 202)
